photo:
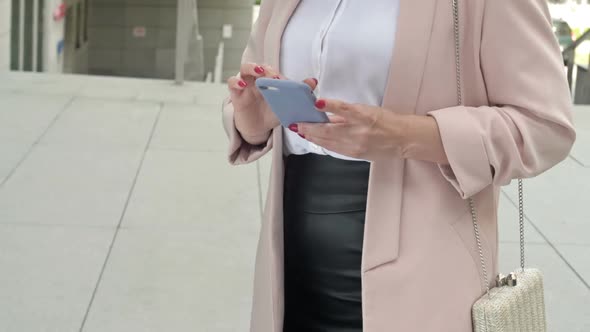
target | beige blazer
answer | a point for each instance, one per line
(420, 266)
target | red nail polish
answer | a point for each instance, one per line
(277, 77)
(243, 84)
(294, 128)
(315, 80)
(320, 104)
(259, 70)
(302, 136)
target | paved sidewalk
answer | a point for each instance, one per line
(114, 218)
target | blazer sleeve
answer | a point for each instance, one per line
(528, 127)
(240, 151)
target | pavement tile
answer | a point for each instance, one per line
(55, 186)
(167, 91)
(557, 203)
(194, 190)
(160, 280)
(23, 119)
(212, 95)
(509, 228)
(189, 127)
(582, 117)
(109, 91)
(579, 257)
(581, 150)
(104, 125)
(109, 87)
(49, 87)
(48, 275)
(11, 154)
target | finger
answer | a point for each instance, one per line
(337, 119)
(318, 130)
(312, 82)
(340, 108)
(251, 69)
(236, 83)
(269, 72)
(333, 106)
(279, 76)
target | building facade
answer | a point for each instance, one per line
(136, 38)
(5, 44)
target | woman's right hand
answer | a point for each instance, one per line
(252, 115)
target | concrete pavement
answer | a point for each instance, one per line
(113, 211)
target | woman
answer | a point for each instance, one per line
(367, 226)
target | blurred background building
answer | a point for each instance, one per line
(5, 34)
(135, 38)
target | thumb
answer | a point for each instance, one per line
(312, 82)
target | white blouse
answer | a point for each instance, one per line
(347, 45)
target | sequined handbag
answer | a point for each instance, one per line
(516, 303)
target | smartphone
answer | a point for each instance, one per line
(291, 101)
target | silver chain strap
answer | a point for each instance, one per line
(521, 221)
(471, 200)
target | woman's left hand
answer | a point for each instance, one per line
(357, 131)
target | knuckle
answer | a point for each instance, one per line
(346, 107)
(350, 108)
(355, 108)
(374, 116)
(248, 67)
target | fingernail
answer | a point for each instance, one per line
(302, 136)
(243, 84)
(294, 128)
(320, 104)
(315, 80)
(259, 70)
(277, 77)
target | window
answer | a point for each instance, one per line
(86, 9)
(79, 22)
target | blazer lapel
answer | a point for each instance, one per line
(272, 51)
(272, 54)
(382, 229)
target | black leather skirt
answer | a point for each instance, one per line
(325, 202)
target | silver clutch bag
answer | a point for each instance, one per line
(516, 303)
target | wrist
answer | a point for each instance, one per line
(254, 137)
(254, 133)
(420, 139)
(406, 136)
(398, 132)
